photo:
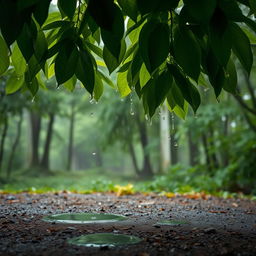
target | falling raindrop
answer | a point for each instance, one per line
(92, 101)
(122, 100)
(206, 89)
(131, 106)
(146, 117)
(33, 99)
(94, 153)
(91, 114)
(172, 121)
(175, 144)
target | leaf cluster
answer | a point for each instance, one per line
(161, 49)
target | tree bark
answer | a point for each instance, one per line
(206, 151)
(134, 159)
(14, 146)
(147, 170)
(164, 138)
(35, 122)
(71, 138)
(3, 137)
(193, 150)
(46, 155)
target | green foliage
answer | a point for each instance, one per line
(184, 40)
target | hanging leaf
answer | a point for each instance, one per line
(26, 39)
(122, 84)
(188, 90)
(4, 59)
(129, 8)
(18, 61)
(66, 63)
(41, 10)
(241, 46)
(154, 44)
(200, 10)
(98, 88)
(187, 51)
(85, 71)
(219, 36)
(231, 80)
(13, 84)
(144, 76)
(68, 7)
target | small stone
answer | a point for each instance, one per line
(210, 231)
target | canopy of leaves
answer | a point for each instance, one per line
(163, 49)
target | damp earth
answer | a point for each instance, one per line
(155, 225)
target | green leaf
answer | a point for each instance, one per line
(154, 44)
(68, 7)
(241, 47)
(111, 61)
(41, 11)
(187, 51)
(219, 36)
(144, 76)
(85, 71)
(18, 61)
(163, 85)
(148, 6)
(66, 63)
(33, 86)
(175, 97)
(200, 10)
(12, 20)
(188, 90)
(231, 80)
(253, 5)
(98, 88)
(122, 84)
(25, 40)
(41, 47)
(106, 79)
(231, 9)
(70, 84)
(129, 8)
(112, 38)
(97, 50)
(103, 12)
(4, 59)
(56, 24)
(13, 84)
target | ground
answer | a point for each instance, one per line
(214, 226)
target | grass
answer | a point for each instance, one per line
(97, 180)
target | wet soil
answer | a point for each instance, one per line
(213, 226)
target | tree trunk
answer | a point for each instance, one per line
(147, 170)
(193, 150)
(206, 152)
(164, 135)
(71, 138)
(3, 137)
(134, 159)
(224, 154)
(214, 158)
(35, 122)
(46, 155)
(14, 146)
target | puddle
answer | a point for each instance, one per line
(84, 218)
(104, 239)
(171, 222)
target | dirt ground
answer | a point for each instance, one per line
(215, 226)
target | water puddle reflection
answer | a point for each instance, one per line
(84, 218)
(104, 239)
